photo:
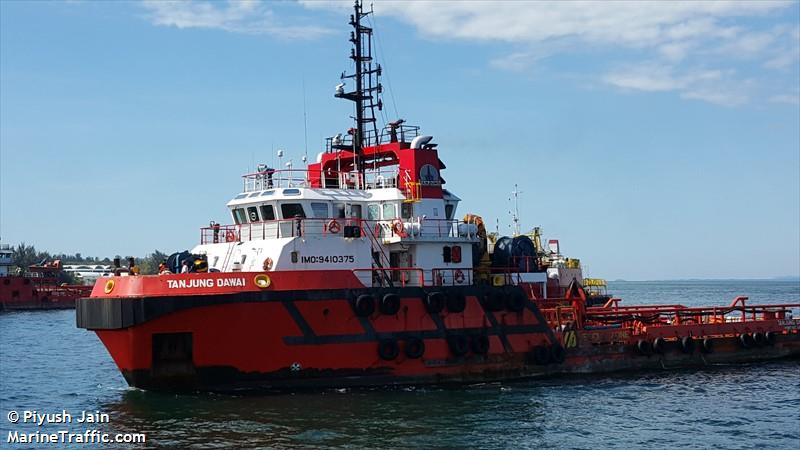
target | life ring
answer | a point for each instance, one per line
(334, 227)
(230, 236)
(267, 266)
(399, 228)
(458, 276)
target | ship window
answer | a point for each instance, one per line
(240, 196)
(269, 192)
(339, 207)
(255, 194)
(291, 192)
(238, 216)
(319, 209)
(373, 212)
(449, 210)
(291, 210)
(389, 211)
(252, 214)
(267, 212)
(406, 210)
(355, 211)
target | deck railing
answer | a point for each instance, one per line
(415, 229)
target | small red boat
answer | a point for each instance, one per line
(357, 272)
(38, 288)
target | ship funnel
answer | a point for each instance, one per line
(420, 141)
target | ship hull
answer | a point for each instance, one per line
(20, 293)
(234, 338)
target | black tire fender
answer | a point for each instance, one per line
(388, 349)
(364, 305)
(414, 348)
(390, 304)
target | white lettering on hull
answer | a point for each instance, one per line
(206, 283)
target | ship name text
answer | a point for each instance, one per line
(206, 283)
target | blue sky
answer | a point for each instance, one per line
(656, 140)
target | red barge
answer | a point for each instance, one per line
(357, 272)
(38, 288)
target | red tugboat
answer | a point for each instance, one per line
(38, 288)
(356, 272)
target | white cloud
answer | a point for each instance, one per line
(237, 16)
(789, 99)
(713, 86)
(689, 47)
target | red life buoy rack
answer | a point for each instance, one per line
(399, 228)
(458, 276)
(230, 236)
(334, 227)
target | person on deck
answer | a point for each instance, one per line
(133, 269)
(185, 267)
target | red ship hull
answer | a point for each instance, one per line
(223, 332)
(22, 293)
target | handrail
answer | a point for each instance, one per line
(404, 280)
(464, 274)
(412, 229)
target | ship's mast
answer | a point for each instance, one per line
(515, 214)
(367, 83)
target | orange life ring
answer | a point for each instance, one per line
(399, 228)
(267, 264)
(458, 276)
(230, 236)
(334, 227)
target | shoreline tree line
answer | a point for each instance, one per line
(24, 255)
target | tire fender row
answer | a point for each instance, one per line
(689, 344)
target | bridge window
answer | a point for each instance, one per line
(319, 209)
(449, 211)
(292, 210)
(267, 212)
(373, 212)
(252, 214)
(406, 210)
(355, 211)
(238, 216)
(339, 208)
(389, 211)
